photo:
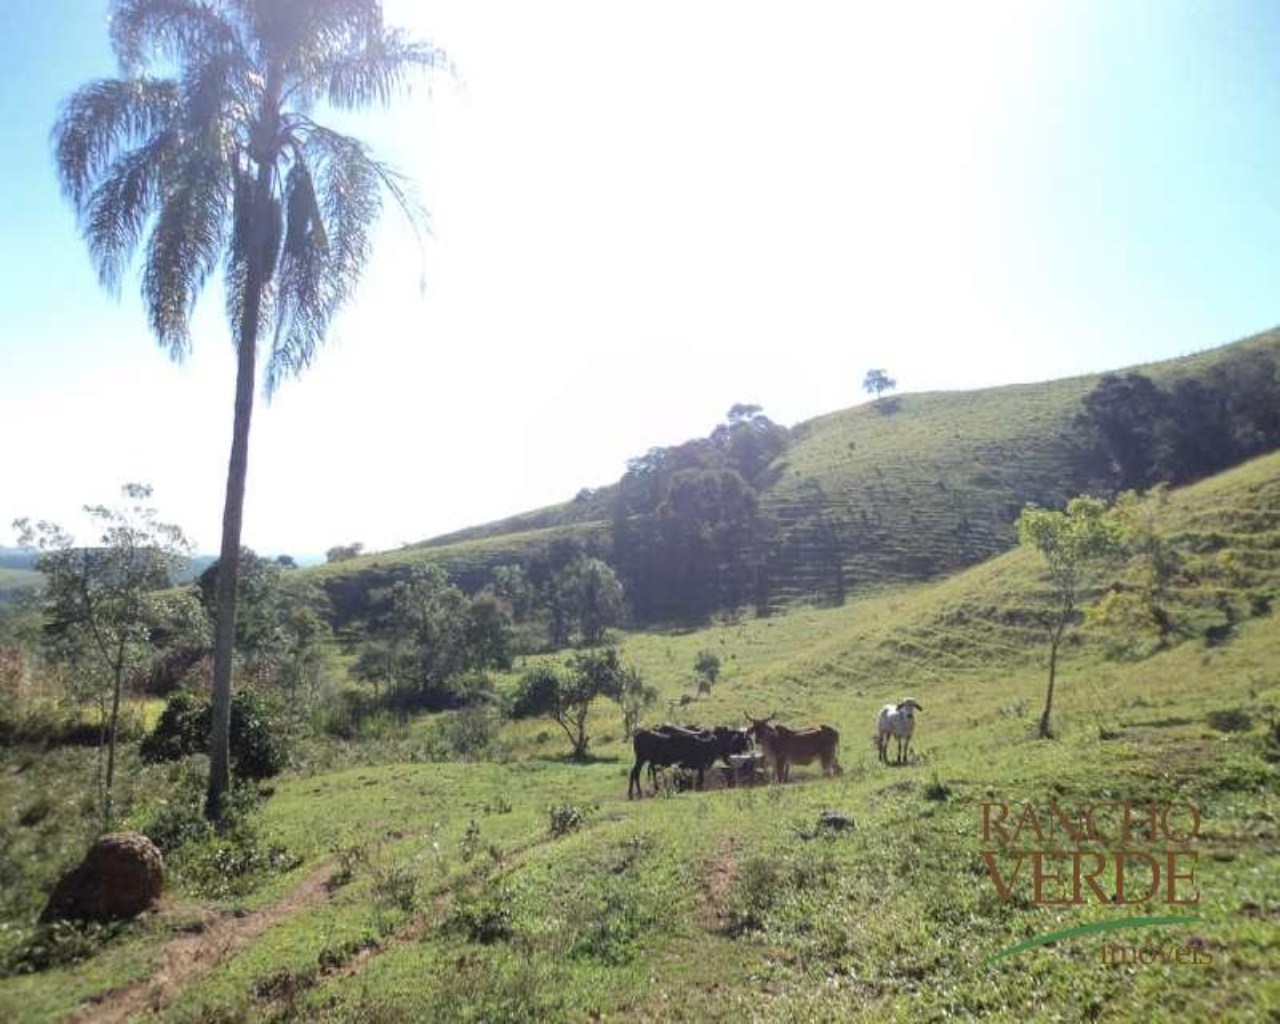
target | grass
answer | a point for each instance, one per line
(461, 902)
(14, 582)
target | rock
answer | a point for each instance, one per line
(120, 876)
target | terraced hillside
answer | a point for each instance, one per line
(907, 488)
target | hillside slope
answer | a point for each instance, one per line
(908, 488)
(462, 904)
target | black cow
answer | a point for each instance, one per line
(678, 745)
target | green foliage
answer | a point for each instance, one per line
(99, 604)
(59, 944)
(343, 552)
(484, 915)
(565, 695)
(635, 700)
(565, 818)
(430, 642)
(585, 596)
(1069, 542)
(230, 863)
(259, 745)
(707, 667)
(877, 382)
(1138, 434)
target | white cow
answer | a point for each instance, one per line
(896, 720)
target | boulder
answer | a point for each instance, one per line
(120, 876)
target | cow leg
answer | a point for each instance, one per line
(635, 780)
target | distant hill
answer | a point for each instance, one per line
(909, 487)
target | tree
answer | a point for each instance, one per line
(586, 594)
(877, 382)
(707, 668)
(98, 602)
(343, 552)
(565, 695)
(1069, 541)
(222, 163)
(1120, 420)
(426, 634)
(636, 697)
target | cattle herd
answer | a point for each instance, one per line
(697, 749)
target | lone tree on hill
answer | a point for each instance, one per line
(1069, 541)
(877, 382)
(221, 164)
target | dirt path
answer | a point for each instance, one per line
(189, 956)
(718, 877)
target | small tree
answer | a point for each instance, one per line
(877, 382)
(1137, 616)
(1069, 541)
(98, 603)
(636, 698)
(586, 593)
(707, 668)
(343, 552)
(565, 695)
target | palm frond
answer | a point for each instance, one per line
(126, 196)
(185, 245)
(288, 29)
(334, 197)
(382, 67)
(333, 145)
(104, 117)
(175, 29)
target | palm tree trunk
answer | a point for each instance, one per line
(113, 733)
(224, 634)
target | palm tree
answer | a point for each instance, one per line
(218, 162)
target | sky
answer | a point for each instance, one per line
(645, 213)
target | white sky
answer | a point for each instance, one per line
(644, 213)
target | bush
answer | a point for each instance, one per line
(258, 747)
(565, 819)
(231, 864)
(59, 944)
(484, 916)
(538, 690)
(469, 732)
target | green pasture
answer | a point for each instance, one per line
(461, 902)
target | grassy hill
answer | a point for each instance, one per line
(15, 582)
(449, 897)
(908, 488)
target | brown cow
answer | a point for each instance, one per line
(784, 747)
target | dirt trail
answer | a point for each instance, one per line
(187, 957)
(718, 877)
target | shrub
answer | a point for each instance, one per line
(539, 689)
(758, 885)
(484, 916)
(1230, 720)
(231, 864)
(60, 944)
(565, 818)
(469, 732)
(258, 746)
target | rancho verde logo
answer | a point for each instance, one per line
(1116, 854)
